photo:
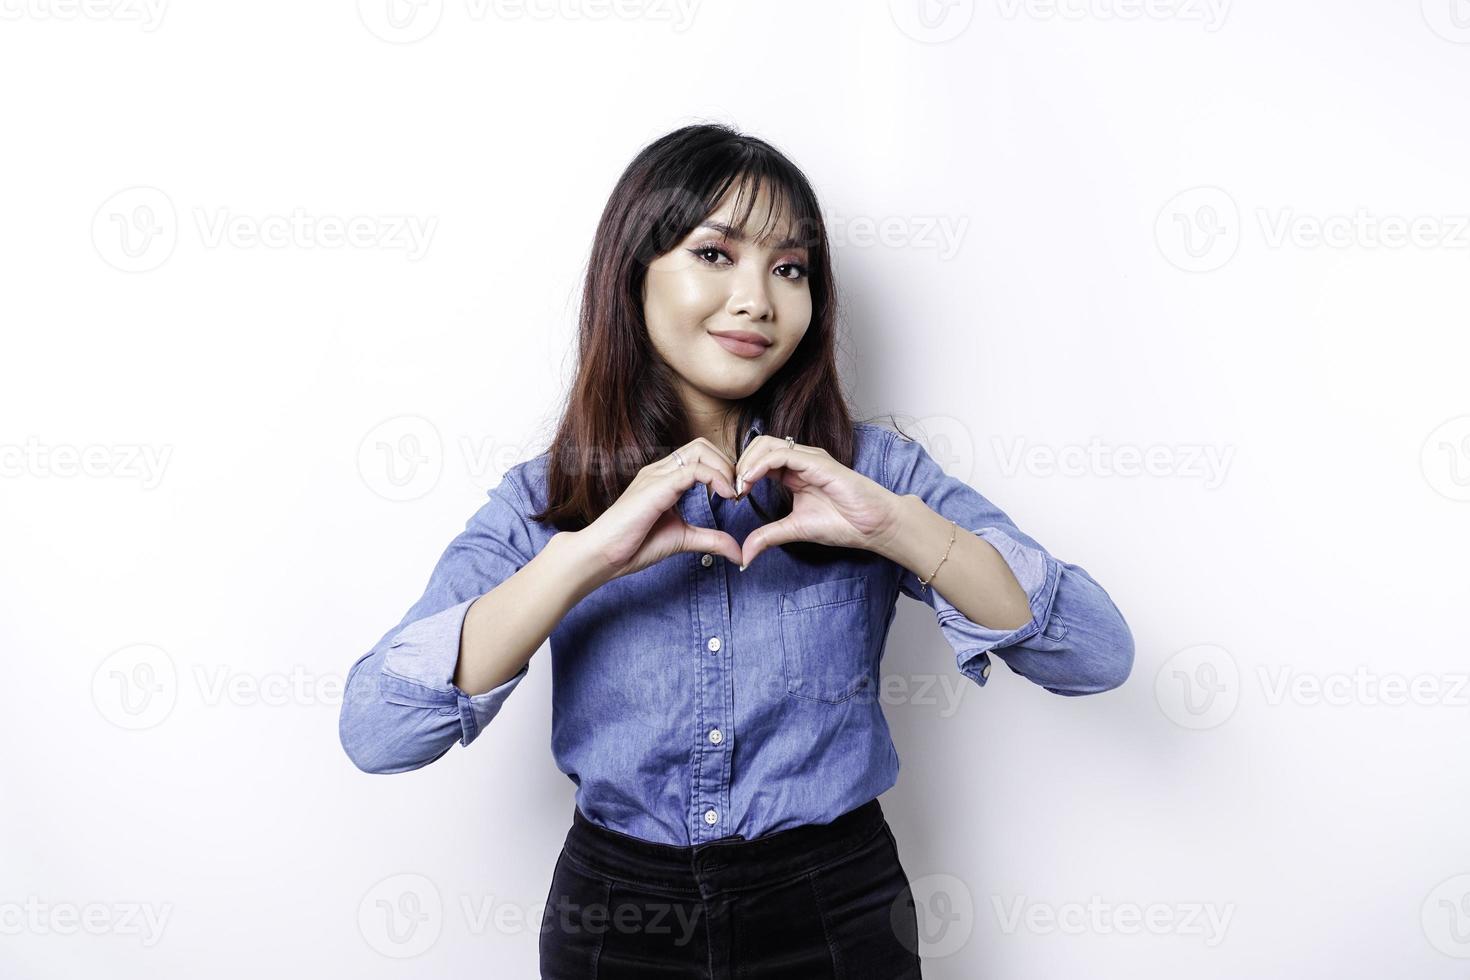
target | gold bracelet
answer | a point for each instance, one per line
(953, 528)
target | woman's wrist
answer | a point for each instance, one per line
(577, 556)
(913, 534)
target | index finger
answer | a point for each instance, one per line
(761, 447)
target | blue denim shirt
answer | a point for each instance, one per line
(692, 701)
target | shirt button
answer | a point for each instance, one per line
(713, 644)
(711, 817)
(716, 736)
(707, 560)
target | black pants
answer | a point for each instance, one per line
(818, 901)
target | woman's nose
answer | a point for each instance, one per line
(750, 294)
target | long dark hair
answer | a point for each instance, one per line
(623, 409)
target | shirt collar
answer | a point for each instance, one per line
(757, 427)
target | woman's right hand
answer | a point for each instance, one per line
(643, 526)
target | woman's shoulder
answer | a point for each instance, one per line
(528, 480)
(870, 447)
(873, 432)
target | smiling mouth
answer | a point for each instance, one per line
(741, 348)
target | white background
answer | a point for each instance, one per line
(1172, 235)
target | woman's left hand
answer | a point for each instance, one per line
(830, 503)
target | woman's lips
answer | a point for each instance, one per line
(740, 348)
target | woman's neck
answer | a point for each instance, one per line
(716, 424)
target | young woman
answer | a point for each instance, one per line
(715, 549)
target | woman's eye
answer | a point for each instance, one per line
(712, 254)
(704, 251)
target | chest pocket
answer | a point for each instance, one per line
(824, 639)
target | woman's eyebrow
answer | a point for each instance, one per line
(739, 236)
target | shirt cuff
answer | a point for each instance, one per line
(1037, 573)
(419, 671)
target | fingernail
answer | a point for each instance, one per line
(739, 485)
(742, 568)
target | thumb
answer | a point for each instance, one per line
(768, 536)
(712, 541)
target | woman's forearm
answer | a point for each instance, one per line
(975, 579)
(505, 627)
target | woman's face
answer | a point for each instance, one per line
(725, 311)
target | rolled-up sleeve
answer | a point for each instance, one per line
(1077, 641)
(400, 708)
